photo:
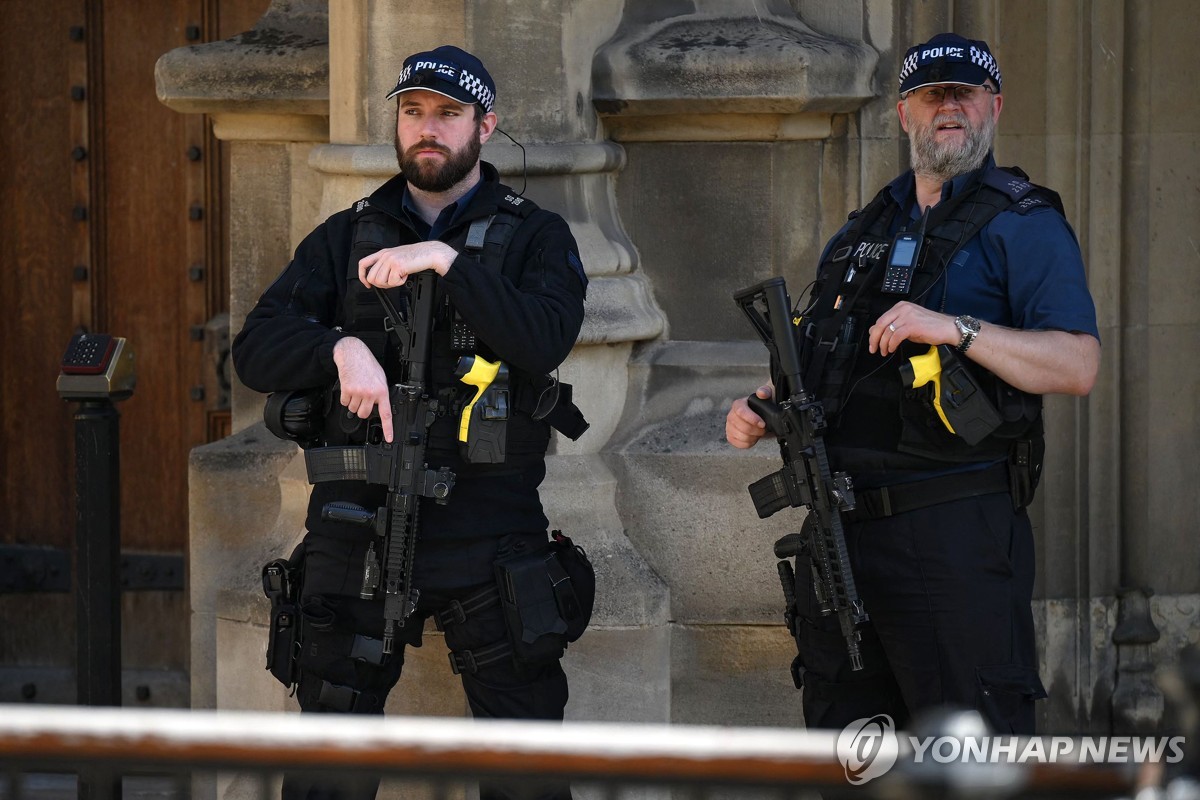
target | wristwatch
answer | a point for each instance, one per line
(968, 327)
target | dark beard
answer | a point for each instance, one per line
(443, 177)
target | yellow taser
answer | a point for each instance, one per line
(478, 372)
(922, 369)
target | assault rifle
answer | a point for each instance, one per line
(798, 422)
(399, 464)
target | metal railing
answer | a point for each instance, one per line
(600, 759)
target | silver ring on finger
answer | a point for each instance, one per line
(892, 327)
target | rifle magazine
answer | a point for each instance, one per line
(770, 494)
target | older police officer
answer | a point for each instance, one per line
(939, 543)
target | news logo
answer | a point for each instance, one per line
(867, 748)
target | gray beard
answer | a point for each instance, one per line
(943, 162)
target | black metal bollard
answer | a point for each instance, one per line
(98, 554)
(97, 371)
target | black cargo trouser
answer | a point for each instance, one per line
(332, 680)
(948, 591)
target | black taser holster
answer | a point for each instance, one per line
(483, 426)
(281, 580)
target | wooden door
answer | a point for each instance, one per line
(110, 221)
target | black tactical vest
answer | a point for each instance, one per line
(487, 241)
(876, 424)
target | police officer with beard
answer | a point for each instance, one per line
(509, 289)
(956, 253)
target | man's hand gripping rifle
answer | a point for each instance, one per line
(399, 465)
(798, 422)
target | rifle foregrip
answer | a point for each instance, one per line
(792, 544)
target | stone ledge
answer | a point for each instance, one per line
(379, 160)
(695, 354)
(280, 66)
(680, 391)
(237, 127)
(718, 127)
(726, 71)
(620, 308)
(250, 449)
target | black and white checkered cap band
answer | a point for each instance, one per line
(446, 73)
(976, 55)
(982, 58)
(477, 89)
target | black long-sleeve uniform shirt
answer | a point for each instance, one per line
(528, 314)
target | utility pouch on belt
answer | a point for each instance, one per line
(1025, 469)
(555, 404)
(281, 580)
(547, 599)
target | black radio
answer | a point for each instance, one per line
(903, 257)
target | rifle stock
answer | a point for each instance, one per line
(798, 422)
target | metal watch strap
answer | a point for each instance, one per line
(968, 328)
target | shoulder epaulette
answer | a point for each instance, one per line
(516, 204)
(1023, 193)
(1014, 184)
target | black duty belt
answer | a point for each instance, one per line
(888, 501)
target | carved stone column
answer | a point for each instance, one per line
(731, 114)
